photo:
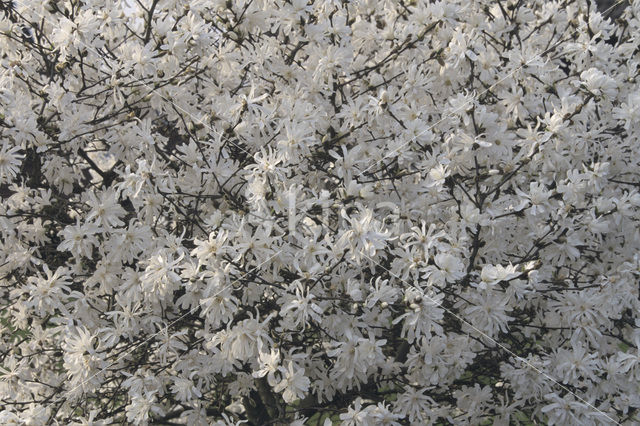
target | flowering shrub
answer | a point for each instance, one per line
(292, 211)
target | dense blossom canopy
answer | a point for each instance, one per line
(323, 212)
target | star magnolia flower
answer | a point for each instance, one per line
(451, 267)
(294, 383)
(10, 160)
(492, 275)
(270, 363)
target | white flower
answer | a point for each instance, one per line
(81, 360)
(269, 365)
(184, 389)
(575, 363)
(472, 399)
(630, 361)
(141, 406)
(538, 197)
(366, 235)
(79, 239)
(62, 34)
(382, 293)
(488, 311)
(10, 161)
(47, 293)
(564, 410)
(160, 276)
(208, 250)
(599, 83)
(294, 383)
(241, 342)
(423, 237)
(218, 305)
(355, 415)
(105, 209)
(629, 111)
(414, 404)
(301, 307)
(451, 267)
(423, 314)
(493, 274)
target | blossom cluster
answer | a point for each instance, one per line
(319, 212)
